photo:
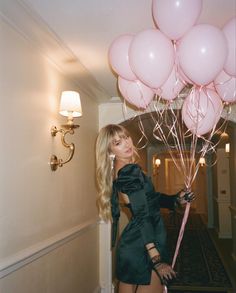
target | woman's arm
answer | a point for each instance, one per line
(163, 270)
(170, 201)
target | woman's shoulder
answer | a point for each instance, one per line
(131, 168)
(129, 178)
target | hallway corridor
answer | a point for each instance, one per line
(224, 248)
(204, 263)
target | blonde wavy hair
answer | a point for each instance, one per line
(104, 170)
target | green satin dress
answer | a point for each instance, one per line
(133, 265)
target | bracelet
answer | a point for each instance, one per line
(157, 264)
(150, 248)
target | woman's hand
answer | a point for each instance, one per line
(185, 196)
(164, 272)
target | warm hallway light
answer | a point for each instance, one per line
(224, 135)
(202, 161)
(227, 147)
(157, 162)
(70, 107)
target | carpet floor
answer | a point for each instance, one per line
(196, 291)
(199, 266)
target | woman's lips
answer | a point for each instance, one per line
(129, 150)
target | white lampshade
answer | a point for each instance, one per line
(202, 161)
(70, 104)
(224, 135)
(157, 162)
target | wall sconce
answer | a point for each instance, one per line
(224, 135)
(227, 147)
(202, 162)
(70, 106)
(157, 163)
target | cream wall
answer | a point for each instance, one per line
(232, 166)
(48, 220)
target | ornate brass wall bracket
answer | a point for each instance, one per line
(67, 129)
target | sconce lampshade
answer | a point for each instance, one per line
(70, 104)
(224, 135)
(202, 161)
(157, 162)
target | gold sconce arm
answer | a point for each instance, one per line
(54, 161)
(70, 107)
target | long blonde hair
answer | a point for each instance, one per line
(104, 170)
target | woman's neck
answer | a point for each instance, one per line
(120, 163)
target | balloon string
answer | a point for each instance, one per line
(180, 237)
(143, 135)
(181, 233)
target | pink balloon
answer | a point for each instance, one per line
(202, 53)
(172, 86)
(201, 111)
(229, 31)
(135, 92)
(226, 87)
(176, 17)
(119, 58)
(151, 56)
(183, 77)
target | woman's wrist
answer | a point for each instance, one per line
(156, 260)
(152, 250)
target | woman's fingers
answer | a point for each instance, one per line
(189, 196)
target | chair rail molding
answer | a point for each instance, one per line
(28, 255)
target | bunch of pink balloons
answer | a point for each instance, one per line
(201, 111)
(178, 52)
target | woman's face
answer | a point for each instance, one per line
(122, 147)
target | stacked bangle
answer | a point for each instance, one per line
(150, 248)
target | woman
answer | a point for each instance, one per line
(141, 257)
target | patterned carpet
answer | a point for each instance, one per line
(196, 291)
(199, 266)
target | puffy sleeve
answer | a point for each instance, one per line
(131, 182)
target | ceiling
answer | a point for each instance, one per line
(88, 27)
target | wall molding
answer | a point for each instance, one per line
(222, 200)
(233, 256)
(25, 21)
(97, 290)
(233, 209)
(105, 257)
(224, 235)
(30, 254)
